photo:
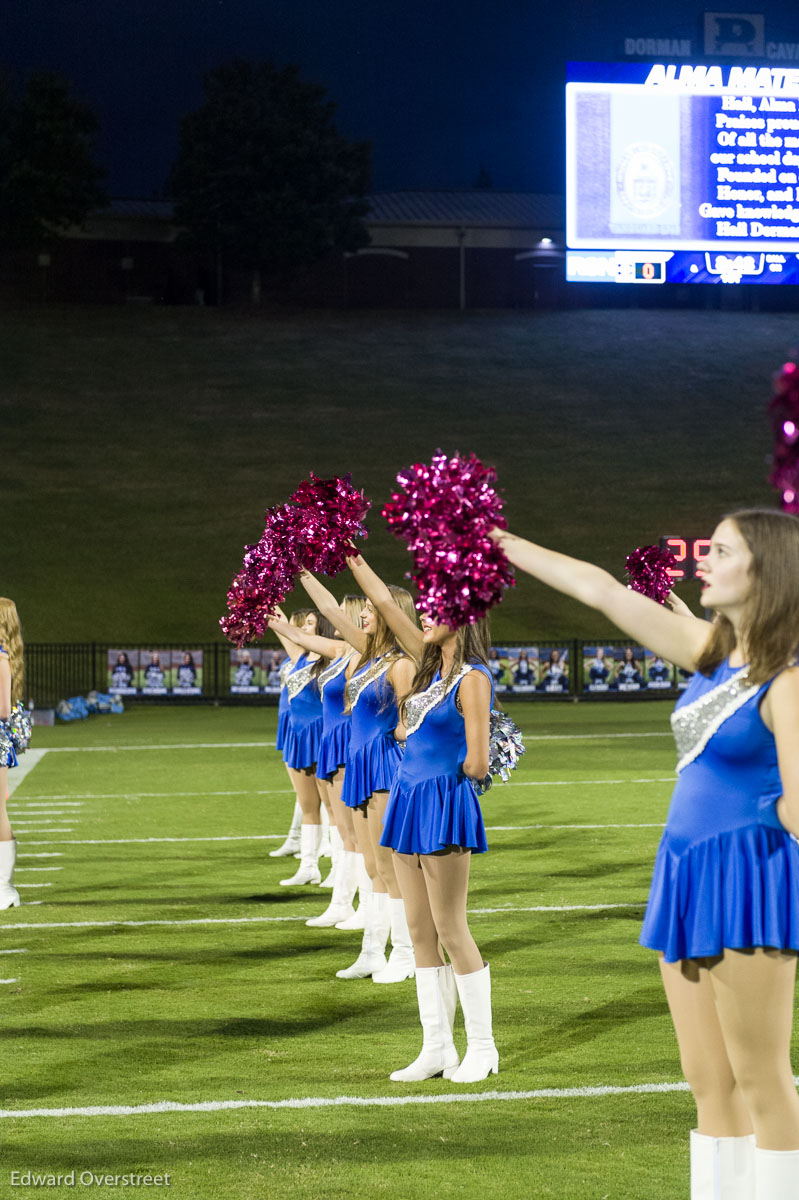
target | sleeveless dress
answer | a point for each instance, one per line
(283, 711)
(8, 758)
(727, 871)
(432, 804)
(304, 731)
(336, 723)
(374, 752)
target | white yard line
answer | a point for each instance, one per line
(553, 908)
(170, 1106)
(29, 760)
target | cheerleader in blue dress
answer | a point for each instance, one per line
(12, 679)
(433, 824)
(291, 846)
(723, 909)
(301, 751)
(376, 677)
(347, 860)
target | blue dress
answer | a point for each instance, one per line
(8, 758)
(283, 710)
(336, 724)
(304, 731)
(727, 870)
(374, 752)
(432, 804)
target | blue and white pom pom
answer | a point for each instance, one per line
(505, 748)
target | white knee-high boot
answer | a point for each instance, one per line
(9, 896)
(308, 871)
(364, 888)
(340, 906)
(722, 1168)
(324, 845)
(336, 851)
(375, 935)
(481, 1058)
(401, 963)
(291, 846)
(437, 996)
(776, 1174)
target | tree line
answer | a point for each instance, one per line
(262, 173)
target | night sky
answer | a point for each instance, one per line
(440, 87)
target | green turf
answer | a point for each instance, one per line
(141, 447)
(243, 1005)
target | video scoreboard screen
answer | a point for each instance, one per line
(682, 174)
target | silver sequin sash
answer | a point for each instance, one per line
(694, 724)
(331, 672)
(361, 681)
(299, 679)
(417, 707)
(285, 670)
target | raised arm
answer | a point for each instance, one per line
(407, 633)
(326, 647)
(647, 622)
(328, 606)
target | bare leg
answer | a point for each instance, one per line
(447, 880)
(341, 813)
(323, 788)
(413, 886)
(6, 833)
(720, 1107)
(364, 844)
(754, 996)
(384, 855)
(307, 794)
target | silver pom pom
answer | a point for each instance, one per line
(6, 743)
(20, 724)
(505, 748)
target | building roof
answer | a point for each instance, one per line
(475, 207)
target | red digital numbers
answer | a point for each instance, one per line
(689, 553)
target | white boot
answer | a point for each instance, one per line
(375, 935)
(9, 896)
(401, 963)
(340, 906)
(364, 888)
(292, 842)
(723, 1167)
(308, 871)
(776, 1175)
(336, 851)
(324, 845)
(437, 996)
(481, 1058)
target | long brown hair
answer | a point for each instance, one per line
(382, 643)
(474, 642)
(11, 641)
(770, 626)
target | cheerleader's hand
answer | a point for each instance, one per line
(677, 605)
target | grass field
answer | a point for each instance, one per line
(157, 959)
(141, 447)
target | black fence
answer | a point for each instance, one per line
(215, 673)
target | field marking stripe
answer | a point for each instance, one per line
(531, 737)
(288, 791)
(167, 1106)
(29, 760)
(542, 908)
(10, 980)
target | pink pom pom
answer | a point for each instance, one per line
(313, 533)
(445, 512)
(784, 414)
(648, 572)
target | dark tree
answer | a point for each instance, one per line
(263, 174)
(48, 177)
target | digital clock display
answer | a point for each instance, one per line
(689, 553)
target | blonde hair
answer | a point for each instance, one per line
(382, 643)
(473, 644)
(770, 626)
(11, 641)
(297, 618)
(352, 607)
